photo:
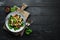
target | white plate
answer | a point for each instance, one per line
(6, 21)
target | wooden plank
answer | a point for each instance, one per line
(42, 11)
(31, 2)
(43, 28)
(44, 20)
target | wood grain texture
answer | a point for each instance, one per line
(31, 2)
(46, 19)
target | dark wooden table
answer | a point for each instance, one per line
(45, 15)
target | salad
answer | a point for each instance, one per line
(15, 22)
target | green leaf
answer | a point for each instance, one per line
(28, 31)
(10, 26)
(12, 18)
(22, 24)
(15, 28)
(13, 8)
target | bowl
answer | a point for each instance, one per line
(13, 13)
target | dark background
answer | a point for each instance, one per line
(45, 15)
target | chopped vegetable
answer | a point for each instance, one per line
(28, 31)
(13, 8)
(10, 26)
(15, 28)
(15, 22)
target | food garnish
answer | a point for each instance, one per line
(15, 22)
